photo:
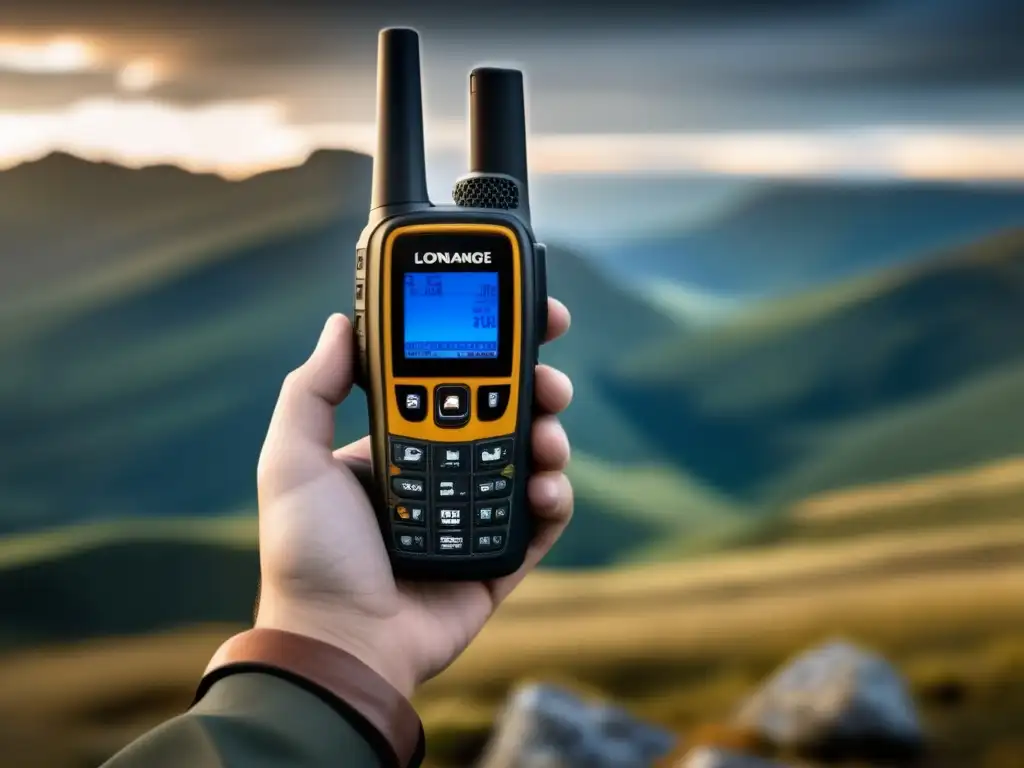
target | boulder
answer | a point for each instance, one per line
(837, 702)
(713, 757)
(544, 726)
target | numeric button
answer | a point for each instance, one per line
(493, 455)
(489, 541)
(451, 488)
(492, 486)
(410, 513)
(451, 543)
(408, 487)
(451, 458)
(411, 541)
(491, 513)
(408, 455)
(451, 516)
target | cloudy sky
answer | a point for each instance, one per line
(902, 88)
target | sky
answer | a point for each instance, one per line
(897, 88)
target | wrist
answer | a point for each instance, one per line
(352, 634)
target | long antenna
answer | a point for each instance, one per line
(497, 125)
(399, 166)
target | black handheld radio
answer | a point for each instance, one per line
(450, 311)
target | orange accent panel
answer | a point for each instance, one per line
(474, 429)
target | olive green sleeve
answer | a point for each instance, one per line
(252, 720)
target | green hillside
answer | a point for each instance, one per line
(779, 238)
(141, 385)
(909, 371)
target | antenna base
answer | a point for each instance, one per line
(487, 190)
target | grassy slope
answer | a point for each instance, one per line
(839, 386)
(164, 360)
(677, 643)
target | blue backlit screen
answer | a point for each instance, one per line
(451, 315)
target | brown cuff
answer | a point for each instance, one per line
(339, 678)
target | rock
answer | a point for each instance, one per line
(548, 727)
(837, 702)
(713, 757)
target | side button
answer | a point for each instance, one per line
(359, 329)
(541, 264)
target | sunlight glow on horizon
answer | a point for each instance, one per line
(240, 138)
(59, 55)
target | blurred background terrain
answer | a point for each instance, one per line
(794, 253)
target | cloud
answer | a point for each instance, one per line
(207, 138)
(822, 76)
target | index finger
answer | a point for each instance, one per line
(558, 320)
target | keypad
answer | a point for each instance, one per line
(451, 498)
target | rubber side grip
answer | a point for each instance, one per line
(541, 272)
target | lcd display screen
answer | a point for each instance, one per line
(451, 315)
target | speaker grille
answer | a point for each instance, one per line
(486, 192)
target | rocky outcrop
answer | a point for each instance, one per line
(837, 702)
(548, 727)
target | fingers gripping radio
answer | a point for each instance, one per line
(450, 310)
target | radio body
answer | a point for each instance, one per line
(450, 312)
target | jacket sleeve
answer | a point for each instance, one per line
(253, 720)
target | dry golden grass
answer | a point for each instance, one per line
(679, 644)
(978, 483)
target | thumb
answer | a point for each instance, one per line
(309, 395)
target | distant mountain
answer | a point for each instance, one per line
(782, 238)
(919, 368)
(107, 229)
(139, 379)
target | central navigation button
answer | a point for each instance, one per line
(451, 405)
(451, 488)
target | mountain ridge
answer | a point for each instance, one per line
(790, 237)
(759, 397)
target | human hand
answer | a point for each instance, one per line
(324, 569)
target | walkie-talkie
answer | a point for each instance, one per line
(450, 311)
